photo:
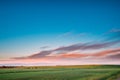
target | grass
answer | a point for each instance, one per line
(61, 73)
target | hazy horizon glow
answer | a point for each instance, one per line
(59, 32)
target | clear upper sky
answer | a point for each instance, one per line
(27, 17)
(28, 25)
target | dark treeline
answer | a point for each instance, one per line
(65, 66)
(7, 66)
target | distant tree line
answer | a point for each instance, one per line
(65, 66)
(7, 66)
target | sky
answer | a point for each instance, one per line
(59, 32)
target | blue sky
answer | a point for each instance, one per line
(26, 26)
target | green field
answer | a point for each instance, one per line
(61, 73)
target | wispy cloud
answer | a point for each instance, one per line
(65, 34)
(114, 57)
(114, 34)
(72, 34)
(66, 49)
(114, 30)
(44, 47)
(109, 53)
(104, 51)
(87, 46)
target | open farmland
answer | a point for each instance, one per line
(61, 73)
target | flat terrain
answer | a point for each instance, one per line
(61, 73)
